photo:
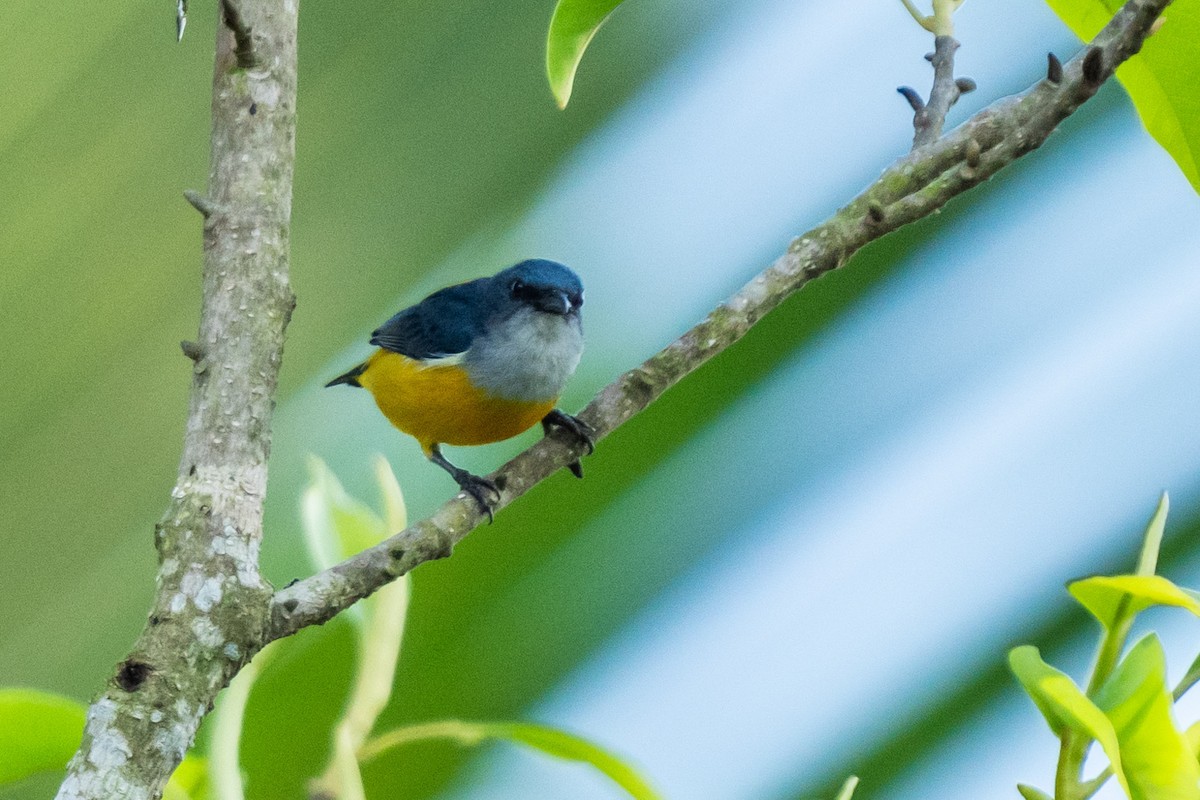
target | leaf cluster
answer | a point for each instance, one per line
(1127, 707)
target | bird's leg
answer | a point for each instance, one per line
(485, 492)
(583, 432)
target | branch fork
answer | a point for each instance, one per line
(929, 118)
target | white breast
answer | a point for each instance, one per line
(528, 356)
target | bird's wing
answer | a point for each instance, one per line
(440, 326)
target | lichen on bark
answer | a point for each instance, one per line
(211, 606)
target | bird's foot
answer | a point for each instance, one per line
(485, 492)
(585, 434)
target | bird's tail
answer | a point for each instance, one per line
(350, 378)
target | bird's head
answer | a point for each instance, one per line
(542, 285)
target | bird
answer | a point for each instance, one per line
(480, 362)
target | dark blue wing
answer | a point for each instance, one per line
(443, 324)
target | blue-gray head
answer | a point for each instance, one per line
(532, 338)
(543, 285)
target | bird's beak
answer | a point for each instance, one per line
(554, 302)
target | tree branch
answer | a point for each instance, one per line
(211, 606)
(911, 188)
(212, 611)
(929, 118)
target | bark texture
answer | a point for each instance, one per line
(211, 606)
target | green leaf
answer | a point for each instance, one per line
(378, 652)
(1152, 540)
(1190, 679)
(189, 781)
(39, 732)
(1032, 792)
(1111, 598)
(395, 512)
(1156, 757)
(1162, 79)
(847, 790)
(336, 526)
(551, 741)
(1063, 704)
(574, 748)
(572, 27)
(1192, 735)
(222, 776)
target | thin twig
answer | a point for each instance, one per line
(915, 101)
(180, 19)
(200, 202)
(929, 120)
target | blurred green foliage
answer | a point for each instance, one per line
(40, 731)
(572, 27)
(335, 527)
(543, 738)
(402, 153)
(422, 126)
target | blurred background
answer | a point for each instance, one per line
(807, 560)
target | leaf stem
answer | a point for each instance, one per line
(1071, 753)
(924, 21)
(1067, 784)
(224, 769)
(453, 729)
(1070, 762)
(943, 17)
(1111, 646)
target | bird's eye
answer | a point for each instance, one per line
(576, 299)
(517, 288)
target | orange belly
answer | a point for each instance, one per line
(438, 404)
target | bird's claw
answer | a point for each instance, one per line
(485, 492)
(584, 433)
